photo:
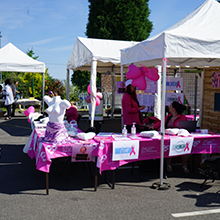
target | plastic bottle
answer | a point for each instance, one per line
(124, 131)
(133, 129)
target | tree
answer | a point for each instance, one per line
(81, 79)
(30, 53)
(119, 20)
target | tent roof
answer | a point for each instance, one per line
(14, 60)
(106, 52)
(193, 41)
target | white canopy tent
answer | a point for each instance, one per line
(95, 55)
(14, 60)
(193, 41)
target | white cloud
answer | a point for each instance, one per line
(45, 41)
(63, 48)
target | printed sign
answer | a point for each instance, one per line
(120, 87)
(125, 150)
(147, 100)
(171, 97)
(174, 83)
(180, 146)
(81, 152)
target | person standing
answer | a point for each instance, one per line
(13, 86)
(131, 107)
(9, 98)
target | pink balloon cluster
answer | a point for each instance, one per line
(27, 112)
(138, 74)
(98, 96)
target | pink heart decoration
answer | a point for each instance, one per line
(140, 82)
(31, 109)
(152, 74)
(133, 72)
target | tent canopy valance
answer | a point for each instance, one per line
(95, 55)
(14, 60)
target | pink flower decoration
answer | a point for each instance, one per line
(138, 74)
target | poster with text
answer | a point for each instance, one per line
(147, 100)
(171, 97)
(120, 87)
(180, 146)
(174, 83)
(125, 150)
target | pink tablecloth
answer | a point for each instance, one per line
(150, 149)
(191, 117)
(44, 152)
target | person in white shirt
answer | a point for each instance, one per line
(9, 98)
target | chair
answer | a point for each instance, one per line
(212, 170)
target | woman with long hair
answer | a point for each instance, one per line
(172, 121)
(131, 107)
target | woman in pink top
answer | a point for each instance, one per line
(172, 121)
(131, 108)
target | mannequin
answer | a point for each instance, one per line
(57, 108)
(55, 130)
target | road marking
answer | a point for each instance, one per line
(185, 214)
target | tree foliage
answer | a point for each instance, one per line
(81, 79)
(119, 20)
(26, 79)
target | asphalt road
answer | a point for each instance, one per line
(22, 187)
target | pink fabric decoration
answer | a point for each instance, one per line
(31, 109)
(138, 74)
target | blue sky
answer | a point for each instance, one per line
(50, 27)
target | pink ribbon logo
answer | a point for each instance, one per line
(178, 84)
(132, 150)
(179, 100)
(187, 147)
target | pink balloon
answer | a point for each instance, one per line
(140, 82)
(97, 101)
(152, 74)
(31, 109)
(133, 72)
(88, 89)
(99, 95)
(88, 100)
